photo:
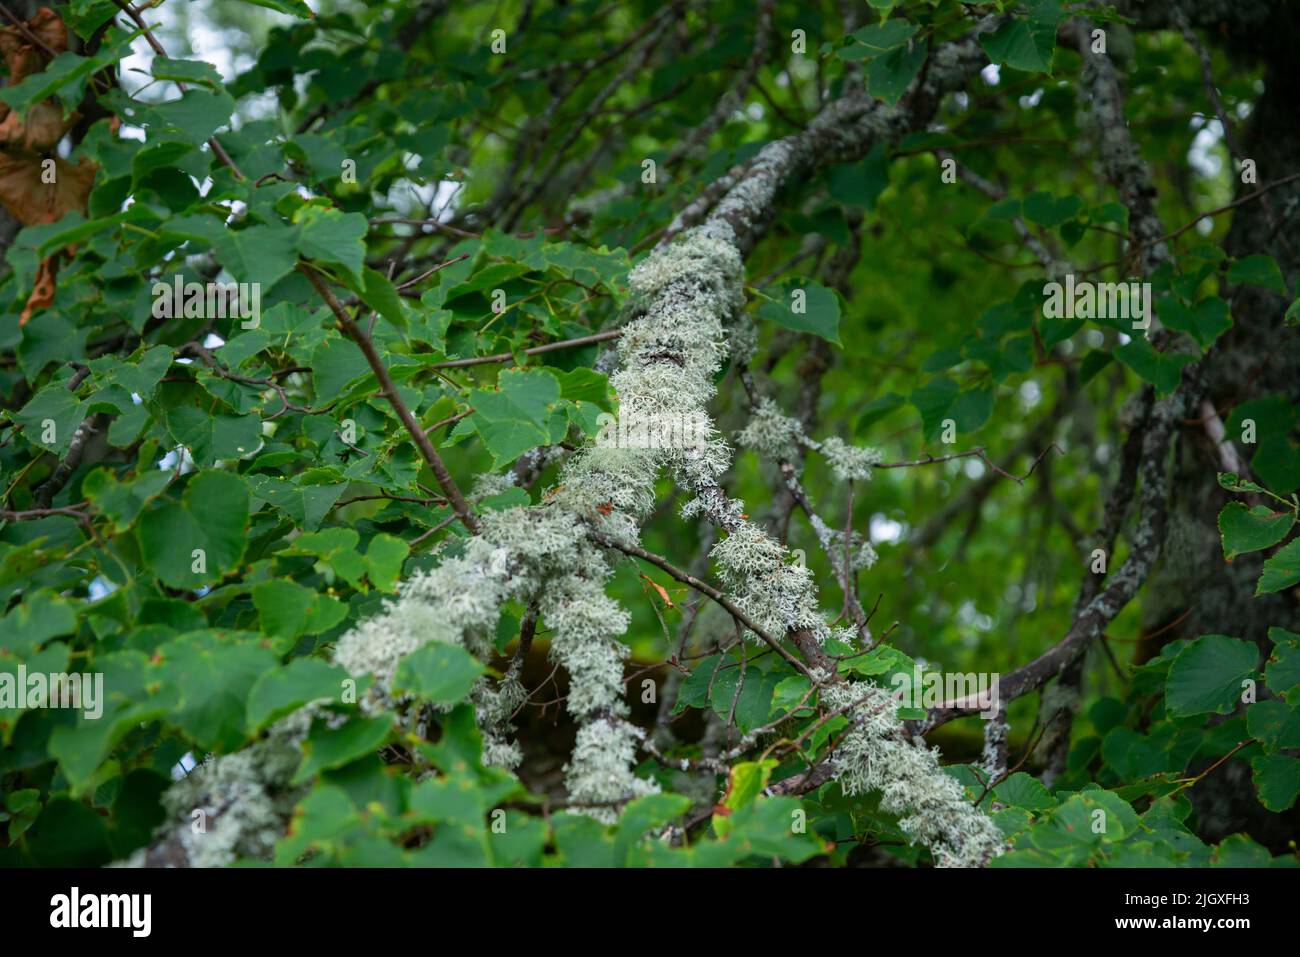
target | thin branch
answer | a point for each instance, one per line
(976, 453)
(218, 150)
(430, 455)
(686, 578)
(32, 514)
(534, 351)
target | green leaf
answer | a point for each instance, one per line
(337, 546)
(1028, 45)
(51, 417)
(40, 616)
(335, 363)
(1283, 669)
(941, 399)
(133, 695)
(381, 295)
(1161, 369)
(889, 76)
(213, 673)
(282, 691)
(212, 436)
(1238, 850)
(1234, 483)
(327, 748)
(331, 237)
(1272, 415)
(521, 842)
(438, 672)
(322, 818)
(459, 801)
(787, 694)
(139, 374)
(185, 71)
(65, 75)
(1087, 820)
(515, 417)
(122, 502)
(384, 558)
(1282, 570)
(1250, 529)
(1277, 463)
(761, 830)
(1050, 211)
(585, 385)
(1277, 778)
(69, 833)
(1275, 724)
(1207, 675)
(1205, 323)
(23, 806)
(297, 8)
(195, 115)
(880, 38)
(288, 609)
(644, 815)
(262, 254)
(860, 184)
(1093, 363)
(745, 782)
(307, 504)
(806, 307)
(196, 541)
(1258, 271)
(877, 409)
(1024, 791)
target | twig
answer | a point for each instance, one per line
(430, 455)
(977, 453)
(534, 351)
(218, 150)
(704, 588)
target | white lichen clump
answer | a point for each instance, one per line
(862, 554)
(876, 756)
(771, 433)
(235, 806)
(848, 462)
(492, 483)
(778, 436)
(778, 595)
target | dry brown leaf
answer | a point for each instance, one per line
(663, 592)
(44, 290)
(31, 201)
(25, 57)
(44, 128)
(27, 189)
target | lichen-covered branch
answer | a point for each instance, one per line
(686, 299)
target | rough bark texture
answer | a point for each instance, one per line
(1253, 358)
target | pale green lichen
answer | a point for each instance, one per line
(585, 623)
(779, 596)
(235, 805)
(777, 436)
(491, 483)
(599, 773)
(934, 810)
(771, 433)
(848, 462)
(862, 554)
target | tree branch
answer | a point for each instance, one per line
(459, 504)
